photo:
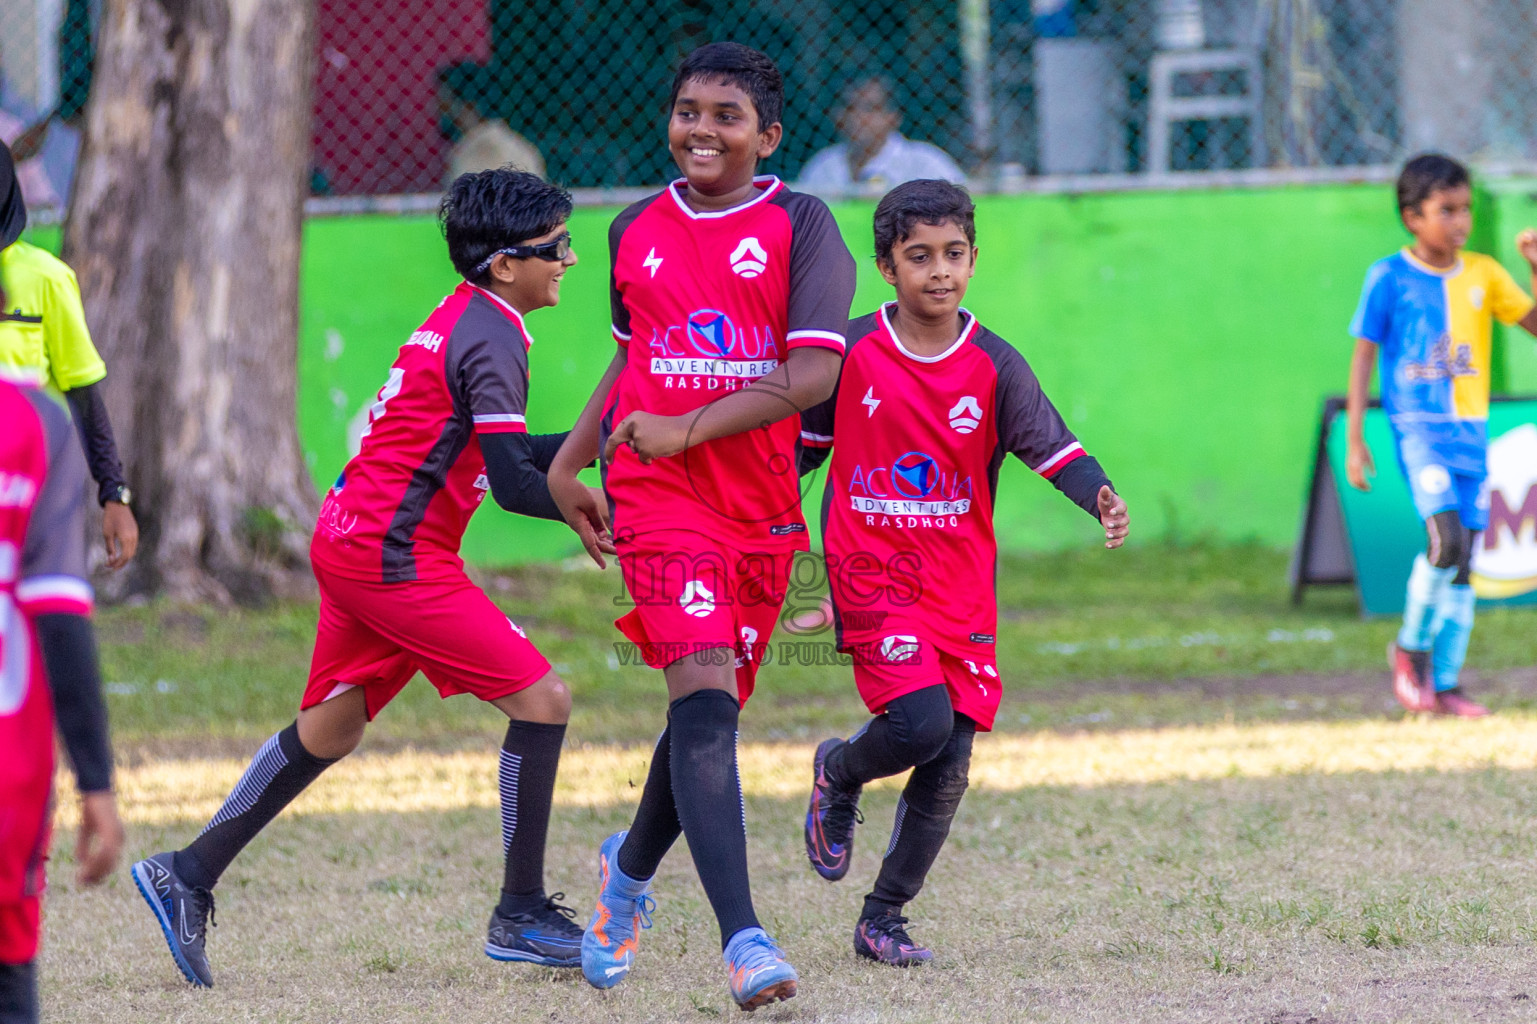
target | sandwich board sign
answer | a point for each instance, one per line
(1370, 538)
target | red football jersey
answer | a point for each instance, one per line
(704, 304)
(399, 510)
(908, 508)
(42, 572)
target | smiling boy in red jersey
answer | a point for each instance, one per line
(447, 427)
(928, 405)
(730, 296)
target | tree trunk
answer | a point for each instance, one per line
(184, 229)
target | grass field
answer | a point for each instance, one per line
(1198, 807)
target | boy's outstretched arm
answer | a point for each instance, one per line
(806, 378)
(577, 502)
(1526, 242)
(1359, 467)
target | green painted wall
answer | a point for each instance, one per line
(1188, 337)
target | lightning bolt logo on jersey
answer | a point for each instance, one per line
(720, 315)
(911, 490)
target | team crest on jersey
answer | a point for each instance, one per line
(966, 416)
(749, 259)
(16, 490)
(1476, 297)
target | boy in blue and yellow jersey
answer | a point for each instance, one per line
(1429, 309)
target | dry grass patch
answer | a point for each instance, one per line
(1274, 874)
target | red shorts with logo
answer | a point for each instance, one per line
(378, 635)
(26, 797)
(693, 594)
(893, 664)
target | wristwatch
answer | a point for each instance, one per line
(123, 496)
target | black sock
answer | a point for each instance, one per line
(708, 789)
(924, 814)
(18, 993)
(656, 825)
(526, 779)
(912, 730)
(278, 773)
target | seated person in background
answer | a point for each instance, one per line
(43, 335)
(480, 143)
(874, 154)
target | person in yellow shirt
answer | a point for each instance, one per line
(43, 332)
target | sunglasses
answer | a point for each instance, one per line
(553, 251)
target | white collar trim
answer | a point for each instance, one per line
(771, 186)
(967, 332)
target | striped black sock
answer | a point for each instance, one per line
(278, 773)
(526, 777)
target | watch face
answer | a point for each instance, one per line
(124, 495)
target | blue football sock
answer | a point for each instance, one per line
(1453, 626)
(1426, 585)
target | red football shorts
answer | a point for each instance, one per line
(378, 635)
(693, 594)
(888, 666)
(26, 791)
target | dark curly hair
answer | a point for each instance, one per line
(736, 64)
(488, 210)
(925, 201)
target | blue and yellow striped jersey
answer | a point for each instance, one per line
(1434, 329)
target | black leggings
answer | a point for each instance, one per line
(921, 731)
(18, 993)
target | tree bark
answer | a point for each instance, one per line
(184, 229)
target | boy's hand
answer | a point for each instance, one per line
(1113, 517)
(1526, 243)
(583, 508)
(1359, 467)
(649, 436)
(100, 842)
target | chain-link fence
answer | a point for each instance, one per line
(408, 92)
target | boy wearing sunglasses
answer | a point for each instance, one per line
(447, 426)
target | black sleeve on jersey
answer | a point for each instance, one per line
(96, 438)
(822, 273)
(620, 316)
(69, 653)
(544, 447)
(1081, 480)
(1031, 429)
(55, 544)
(517, 483)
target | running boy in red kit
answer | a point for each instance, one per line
(928, 405)
(448, 425)
(730, 299)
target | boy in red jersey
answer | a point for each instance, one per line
(447, 426)
(928, 405)
(730, 296)
(45, 607)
